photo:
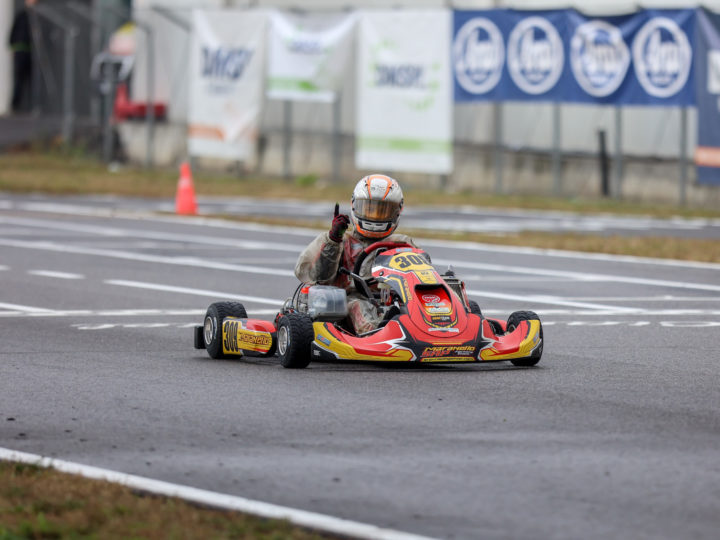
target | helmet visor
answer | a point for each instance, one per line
(377, 210)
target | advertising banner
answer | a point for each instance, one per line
(707, 153)
(227, 63)
(404, 102)
(561, 55)
(308, 55)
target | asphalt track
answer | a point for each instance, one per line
(614, 435)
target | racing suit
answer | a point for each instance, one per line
(319, 264)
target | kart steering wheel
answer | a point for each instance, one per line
(387, 244)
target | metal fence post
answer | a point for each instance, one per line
(498, 136)
(683, 155)
(603, 162)
(557, 149)
(287, 136)
(71, 32)
(617, 192)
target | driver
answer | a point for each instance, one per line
(377, 201)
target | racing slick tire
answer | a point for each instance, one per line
(294, 335)
(212, 326)
(474, 307)
(513, 320)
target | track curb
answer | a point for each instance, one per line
(310, 520)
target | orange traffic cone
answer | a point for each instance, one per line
(185, 197)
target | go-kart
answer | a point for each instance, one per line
(426, 317)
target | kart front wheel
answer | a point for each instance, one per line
(512, 323)
(474, 307)
(294, 335)
(212, 326)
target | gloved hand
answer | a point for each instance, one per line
(339, 225)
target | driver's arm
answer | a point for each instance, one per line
(319, 262)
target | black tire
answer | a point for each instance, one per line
(294, 335)
(474, 307)
(212, 326)
(513, 320)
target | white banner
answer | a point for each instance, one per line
(309, 55)
(404, 103)
(227, 63)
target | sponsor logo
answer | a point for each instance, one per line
(305, 46)
(225, 64)
(323, 340)
(478, 55)
(437, 310)
(427, 277)
(535, 55)
(451, 330)
(447, 351)
(662, 56)
(599, 57)
(259, 340)
(449, 359)
(400, 76)
(431, 298)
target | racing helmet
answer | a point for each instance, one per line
(377, 201)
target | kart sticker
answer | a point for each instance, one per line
(427, 277)
(409, 262)
(446, 351)
(449, 359)
(237, 338)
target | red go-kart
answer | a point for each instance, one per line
(426, 317)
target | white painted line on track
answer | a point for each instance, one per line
(115, 232)
(208, 264)
(302, 518)
(24, 309)
(579, 276)
(59, 275)
(550, 300)
(141, 257)
(557, 253)
(2, 267)
(119, 313)
(196, 292)
(307, 232)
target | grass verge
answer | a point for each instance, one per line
(43, 503)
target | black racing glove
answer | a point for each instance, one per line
(339, 225)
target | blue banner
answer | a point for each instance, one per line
(707, 153)
(563, 56)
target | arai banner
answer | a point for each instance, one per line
(707, 153)
(227, 62)
(645, 58)
(309, 54)
(404, 101)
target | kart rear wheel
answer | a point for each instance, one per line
(474, 307)
(513, 320)
(212, 327)
(294, 335)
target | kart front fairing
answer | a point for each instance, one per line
(433, 323)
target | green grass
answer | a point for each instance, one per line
(43, 503)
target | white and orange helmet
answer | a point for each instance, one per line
(377, 201)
